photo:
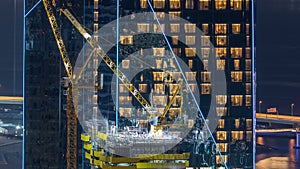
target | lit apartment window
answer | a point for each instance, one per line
(174, 16)
(189, 4)
(190, 40)
(143, 4)
(220, 161)
(237, 123)
(248, 100)
(176, 75)
(143, 27)
(221, 135)
(205, 40)
(193, 87)
(159, 15)
(205, 52)
(237, 135)
(205, 77)
(190, 63)
(159, 3)
(158, 51)
(175, 40)
(222, 147)
(125, 100)
(125, 64)
(190, 52)
(247, 29)
(159, 63)
(221, 40)
(236, 64)
(159, 100)
(190, 28)
(236, 5)
(237, 100)
(220, 29)
(221, 99)
(248, 64)
(96, 16)
(221, 52)
(205, 64)
(236, 28)
(157, 76)
(126, 40)
(125, 112)
(158, 89)
(248, 76)
(157, 28)
(190, 75)
(221, 64)
(220, 4)
(249, 124)
(247, 5)
(221, 111)
(123, 88)
(174, 4)
(177, 51)
(143, 88)
(205, 88)
(248, 40)
(204, 4)
(205, 28)
(236, 76)
(248, 135)
(174, 28)
(236, 52)
(221, 123)
(248, 88)
(248, 53)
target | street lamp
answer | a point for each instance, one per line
(259, 106)
(292, 109)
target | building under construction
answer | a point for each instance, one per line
(91, 102)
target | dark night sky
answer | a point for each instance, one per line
(277, 60)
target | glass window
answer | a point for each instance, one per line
(205, 64)
(205, 28)
(143, 27)
(123, 88)
(236, 5)
(221, 123)
(125, 112)
(219, 159)
(221, 99)
(157, 28)
(247, 5)
(143, 4)
(237, 100)
(190, 75)
(189, 4)
(175, 40)
(190, 28)
(221, 40)
(190, 40)
(205, 52)
(236, 76)
(237, 135)
(205, 76)
(174, 4)
(175, 28)
(248, 135)
(126, 40)
(158, 76)
(248, 52)
(248, 88)
(248, 41)
(159, 3)
(190, 52)
(248, 100)
(221, 111)
(248, 64)
(158, 51)
(205, 40)
(221, 135)
(125, 100)
(143, 88)
(160, 16)
(236, 52)
(236, 64)
(247, 29)
(220, 4)
(174, 16)
(221, 52)
(222, 147)
(220, 28)
(248, 76)
(190, 63)
(237, 123)
(158, 63)
(236, 28)
(193, 87)
(158, 89)
(159, 100)
(205, 88)
(177, 51)
(221, 64)
(125, 64)
(249, 124)
(204, 4)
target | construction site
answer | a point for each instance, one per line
(131, 84)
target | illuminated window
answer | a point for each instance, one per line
(236, 5)
(125, 112)
(174, 28)
(237, 135)
(159, 100)
(157, 28)
(237, 123)
(143, 27)
(236, 52)
(247, 5)
(219, 159)
(158, 51)
(248, 76)
(249, 136)
(220, 29)
(143, 88)
(236, 64)
(176, 75)
(248, 88)
(236, 76)
(222, 147)
(159, 3)
(158, 63)
(248, 53)
(248, 100)
(126, 40)
(96, 16)
(205, 52)
(247, 29)
(125, 100)
(123, 88)
(190, 28)
(158, 76)
(248, 64)
(174, 4)
(143, 4)
(190, 40)
(221, 64)
(190, 75)
(125, 64)
(205, 88)
(189, 52)
(175, 40)
(221, 40)
(220, 4)
(221, 52)
(193, 87)
(174, 16)
(159, 15)
(249, 124)
(158, 89)
(205, 28)
(204, 4)
(221, 99)
(205, 64)
(205, 76)
(221, 135)
(221, 123)
(190, 63)
(248, 41)
(177, 51)
(205, 40)
(237, 100)
(221, 111)
(189, 4)
(236, 28)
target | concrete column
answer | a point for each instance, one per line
(297, 140)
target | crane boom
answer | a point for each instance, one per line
(109, 62)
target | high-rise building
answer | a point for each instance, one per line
(227, 35)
